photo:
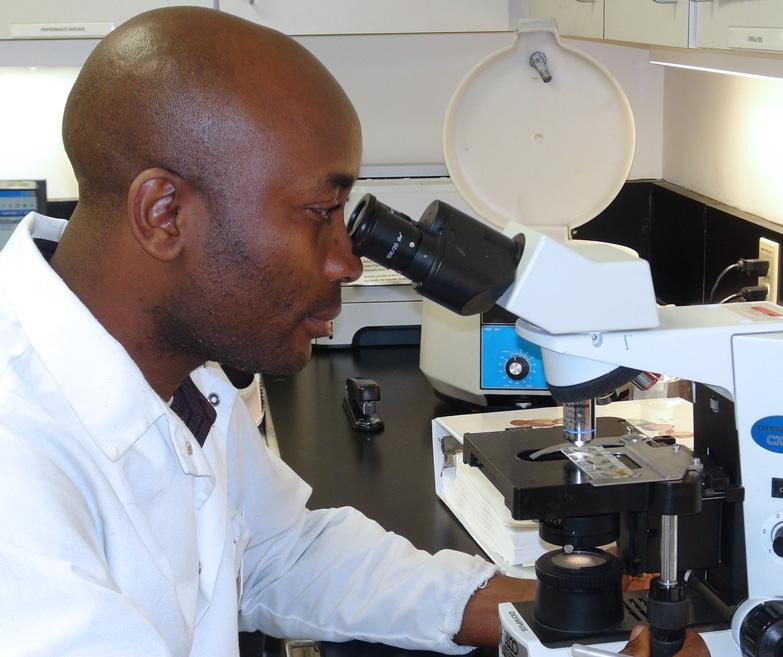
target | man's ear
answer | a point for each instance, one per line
(157, 204)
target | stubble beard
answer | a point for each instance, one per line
(236, 310)
(187, 325)
(213, 318)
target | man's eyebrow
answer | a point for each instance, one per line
(340, 181)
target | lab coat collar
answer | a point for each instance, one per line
(102, 383)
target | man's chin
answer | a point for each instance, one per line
(295, 362)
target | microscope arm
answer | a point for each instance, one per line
(579, 286)
(691, 342)
(591, 308)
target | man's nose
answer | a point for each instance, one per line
(343, 264)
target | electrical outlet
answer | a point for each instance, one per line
(769, 250)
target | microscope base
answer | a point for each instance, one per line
(519, 628)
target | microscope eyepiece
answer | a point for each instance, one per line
(388, 237)
(452, 258)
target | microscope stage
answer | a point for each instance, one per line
(551, 486)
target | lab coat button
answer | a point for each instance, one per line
(213, 399)
(189, 448)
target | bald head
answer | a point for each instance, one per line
(190, 90)
(214, 159)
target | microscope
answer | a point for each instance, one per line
(709, 521)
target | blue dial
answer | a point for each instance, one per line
(508, 362)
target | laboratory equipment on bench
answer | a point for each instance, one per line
(587, 484)
(480, 359)
(537, 133)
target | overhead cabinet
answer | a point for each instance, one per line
(740, 24)
(659, 22)
(308, 17)
(723, 24)
(96, 18)
(575, 18)
(73, 19)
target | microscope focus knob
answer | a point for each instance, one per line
(777, 540)
(761, 634)
(517, 368)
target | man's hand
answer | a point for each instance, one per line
(480, 621)
(638, 582)
(639, 644)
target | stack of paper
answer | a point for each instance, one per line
(490, 522)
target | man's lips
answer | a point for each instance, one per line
(320, 323)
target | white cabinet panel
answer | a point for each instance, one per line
(73, 19)
(660, 22)
(742, 24)
(308, 17)
(577, 18)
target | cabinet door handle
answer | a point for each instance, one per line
(590, 1)
(665, 2)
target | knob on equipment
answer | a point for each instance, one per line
(517, 368)
(762, 630)
(777, 541)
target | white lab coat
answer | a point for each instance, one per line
(120, 536)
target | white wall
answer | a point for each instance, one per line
(643, 84)
(723, 138)
(401, 85)
(30, 116)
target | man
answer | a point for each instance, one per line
(141, 514)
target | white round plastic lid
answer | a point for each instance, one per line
(543, 154)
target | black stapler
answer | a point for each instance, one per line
(359, 404)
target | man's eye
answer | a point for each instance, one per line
(326, 213)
